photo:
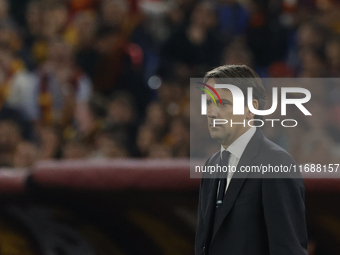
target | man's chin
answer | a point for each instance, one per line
(216, 134)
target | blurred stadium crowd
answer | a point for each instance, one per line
(110, 78)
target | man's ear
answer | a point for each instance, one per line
(249, 114)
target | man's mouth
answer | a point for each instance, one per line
(211, 124)
(214, 126)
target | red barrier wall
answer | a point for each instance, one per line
(121, 174)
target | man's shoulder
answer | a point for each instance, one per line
(277, 162)
(270, 152)
(212, 159)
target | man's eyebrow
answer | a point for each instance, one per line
(226, 101)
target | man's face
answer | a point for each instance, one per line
(225, 134)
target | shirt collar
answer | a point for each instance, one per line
(239, 145)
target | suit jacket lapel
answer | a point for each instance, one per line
(210, 202)
(237, 181)
(234, 188)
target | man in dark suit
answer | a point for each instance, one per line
(242, 214)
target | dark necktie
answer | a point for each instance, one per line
(223, 178)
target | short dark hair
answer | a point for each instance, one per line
(243, 77)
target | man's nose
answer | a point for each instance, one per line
(212, 111)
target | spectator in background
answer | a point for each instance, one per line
(80, 5)
(266, 36)
(116, 26)
(332, 52)
(109, 62)
(121, 119)
(317, 148)
(328, 14)
(309, 34)
(62, 87)
(54, 19)
(25, 155)
(156, 118)
(312, 63)
(178, 137)
(84, 29)
(74, 149)
(10, 138)
(117, 14)
(186, 8)
(316, 144)
(197, 43)
(49, 141)
(146, 138)
(334, 130)
(51, 24)
(17, 85)
(237, 53)
(233, 19)
(5, 18)
(90, 120)
(160, 151)
(32, 33)
(150, 135)
(169, 95)
(120, 64)
(109, 144)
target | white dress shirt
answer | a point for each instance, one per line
(236, 150)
